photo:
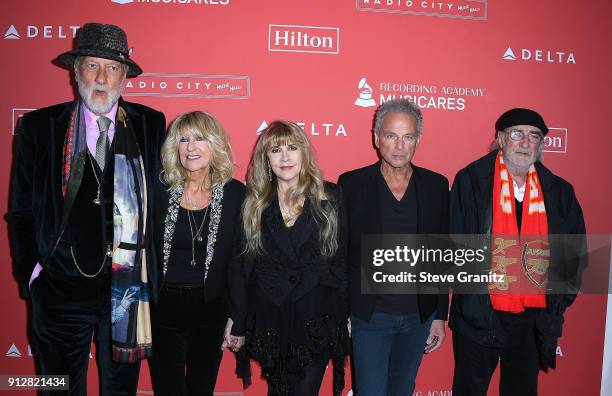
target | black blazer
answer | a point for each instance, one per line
(363, 217)
(292, 265)
(227, 234)
(36, 203)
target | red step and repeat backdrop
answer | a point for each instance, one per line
(327, 65)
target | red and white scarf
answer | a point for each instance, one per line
(523, 258)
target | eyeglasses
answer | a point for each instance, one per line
(518, 135)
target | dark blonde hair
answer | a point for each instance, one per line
(261, 192)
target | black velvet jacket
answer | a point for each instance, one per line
(36, 214)
(471, 213)
(363, 217)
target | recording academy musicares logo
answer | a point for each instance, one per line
(173, 2)
(463, 9)
(211, 86)
(294, 38)
(540, 55)
(41, 32)
(425, 95)
(316, 128)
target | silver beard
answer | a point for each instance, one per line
(86, 95)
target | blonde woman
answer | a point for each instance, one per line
(289, 283)
(197, 212)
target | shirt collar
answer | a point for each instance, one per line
(91, 118)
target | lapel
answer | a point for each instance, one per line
(421, 200)
(135, 122)
(548, 190)
(78, 162)
(372, 199)
(482, 183)
(303, 228)
(280, 235)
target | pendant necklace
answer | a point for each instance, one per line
(198, 231)
(97, 200)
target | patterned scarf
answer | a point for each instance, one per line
(524, 258)
(130, 315)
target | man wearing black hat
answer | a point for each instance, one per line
(510, 196)
(79, 218)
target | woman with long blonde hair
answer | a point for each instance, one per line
(197, 212)
(288, 285)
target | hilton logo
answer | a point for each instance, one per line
(555, 141)
(290, 38)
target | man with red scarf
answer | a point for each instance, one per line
(523, 208)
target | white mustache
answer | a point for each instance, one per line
(97, 87)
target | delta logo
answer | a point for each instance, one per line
(313, 39)
(540, 55)
(13, 352)
(41, 32)
(314, 128)
(462, 9)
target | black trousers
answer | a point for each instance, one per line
(66, 312)
(518, 358)
(187, 338)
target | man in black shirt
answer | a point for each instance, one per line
(391, 331)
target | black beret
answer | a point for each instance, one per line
(521, 117)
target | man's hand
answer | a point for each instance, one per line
(233, 342)
(436, 336)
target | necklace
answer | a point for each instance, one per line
(289, 215)
(97, 200)
(192, 205)
(198, 234)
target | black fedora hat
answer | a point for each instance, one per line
(102, 41)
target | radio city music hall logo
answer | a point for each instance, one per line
(208, 86)
(540, 55)
(463, 9)
(41, 32)
(293, 38)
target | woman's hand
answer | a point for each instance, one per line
(234, 343)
